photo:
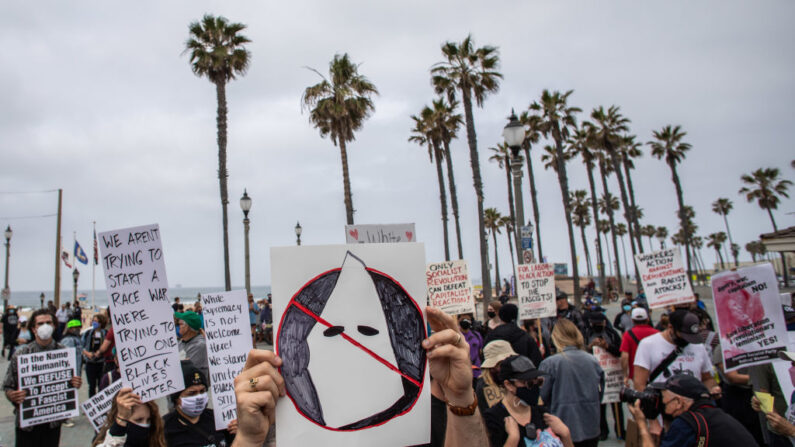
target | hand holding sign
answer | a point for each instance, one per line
(448, 358)
(257, 389)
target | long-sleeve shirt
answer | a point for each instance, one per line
(196, 351)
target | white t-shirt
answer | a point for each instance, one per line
(693, 360)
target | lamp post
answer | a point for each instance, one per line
(298, 231)
(514, 136)
(6, 290)
(245, 205)
(41, 298)
(75, 276)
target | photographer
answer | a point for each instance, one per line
(695, 420)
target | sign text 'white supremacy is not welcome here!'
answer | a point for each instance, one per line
(143, 322)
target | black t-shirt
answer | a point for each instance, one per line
(495, 423)
(179, 434)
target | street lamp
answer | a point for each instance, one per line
(514, 136)
(245, 205)
(75, 275)
(298, 231)
(6, 291)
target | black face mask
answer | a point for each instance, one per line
(465, 324)
(491, 314)
(528, 395)
(137, 435)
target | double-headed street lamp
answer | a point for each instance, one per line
(298, 231)
(6, 291)
(514, 136)
(245, 205)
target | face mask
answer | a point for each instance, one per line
(44, 331)
(193, 406)
(792, 375)
(528, 396)
(465, 324)
(491, 314)
(95, 325)
(627, 308)
(137, 435)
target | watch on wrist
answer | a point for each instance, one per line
(465, 411)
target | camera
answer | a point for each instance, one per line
(650, 400)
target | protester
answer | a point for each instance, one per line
(25, 336)
(474, 340)
(77, 312)
(487, 388)
(518, 417)
(10, 330)
(253, 317)
(111, 376)
(131, 422)
(63, 317)
(574, 384)
(510, 332)
(623, 320)
(538, 334)
(696, 419)
(601, 335)
(736, 392)
(763, 379)
(177, 306)
(785, 426)
(71, 339)
(192, 342)
(565, 311)
(266, 320)
(46, 434)
(641, 328)
(105, 350)
(92, 340)
(493, 314)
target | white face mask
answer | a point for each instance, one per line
(193, 406)
(44, 332)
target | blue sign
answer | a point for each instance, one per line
(527, 237)
(561, 269)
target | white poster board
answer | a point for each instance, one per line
(349, 331)
(614, 376)
(228, 334)
(388, 233)
(97, 406)
(142, 317)
(750, 319)
(45, 376)
(535, 290)
(449, 288)
(664, 278)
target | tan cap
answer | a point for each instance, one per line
(495, 352)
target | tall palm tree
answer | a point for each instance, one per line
(603, 227)
(580, 144)
(581, 217)
(423, 134)
(621, 231)
(557, 121)
(532, 133)
(669, 146)
(629, 150)
(507, 222)
(493, 218)
(649, 231)
(661, 233)
(604, 170)
(716, 240)
(472, 73)
(755, 248)
(218, 52)
(722, 207)
(338, 107)
(697, 243)
(447, 124)
(501, 154)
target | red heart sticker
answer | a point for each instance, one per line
(409, 234)
(354, 234)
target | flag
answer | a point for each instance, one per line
(80, 255)
(96, 248)
(66, 256)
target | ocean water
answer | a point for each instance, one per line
(32, 299)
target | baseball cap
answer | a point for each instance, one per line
(518, 367)
(495, 352)
(561, 295)
(191, 376)
(639, 314)
(74, 323)
(686, 323)
(191, 318)
(687, 386)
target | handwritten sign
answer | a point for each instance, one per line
(750, 320)
(370, 234)
(97, 406)
(142, 317)
(228, 337)
(449, 288)
(664, 278)
(536, 290)
(45, 376)
(614, 376)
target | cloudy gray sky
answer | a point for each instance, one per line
(98, 99)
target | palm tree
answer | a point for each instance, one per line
(501, 154)
(722, 207)
(218, 52)
(669, 145)
(507, 222)
(604, 170)
(532, 133)
(629, 150)
(661, 233)
(581, 217)
(493, 218)
(447, 124)
(603, 227)
(423, 134)
(755, 248)
(338, 107)
(580, 144)
(649, 231)
(557, 120)
(715, 240)
(472, 73)
(764, 186)
(621, 231)
(697, 242)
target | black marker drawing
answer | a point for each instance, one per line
(404, 325)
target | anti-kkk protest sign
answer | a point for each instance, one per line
(449, 288)
(535, 290)
(97, 406)
(750, 318)
(664, 278)
(45, 377)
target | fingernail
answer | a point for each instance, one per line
(426, 343)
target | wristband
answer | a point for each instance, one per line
(465, 411)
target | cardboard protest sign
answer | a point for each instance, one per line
(97, 406)
(349, 333)
(369, 234)
(45, 376)
(664, 278)
(228, 334)
(614, 376)
(535, 290)
(449, 288)
(750, 320)
(142, 317)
